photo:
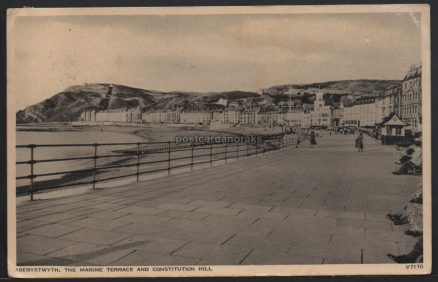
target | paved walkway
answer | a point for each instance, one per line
(320, 205)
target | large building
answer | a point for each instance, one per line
(389, 102)
(123, 116)
(321, 115)
(270, 118)
(411, 99)
(298, 118)
(88, 115)
(154, 117)
(336, 114)
(247, 117)
(196, 117)
(366, 111)
(359, 113)
(350, 117)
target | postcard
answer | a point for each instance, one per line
(219, 141)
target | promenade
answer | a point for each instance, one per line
(321, 205)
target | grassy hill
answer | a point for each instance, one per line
(70, 103)
(361, 86)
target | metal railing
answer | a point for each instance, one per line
(134, 157)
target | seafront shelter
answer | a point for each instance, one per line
(392, 129)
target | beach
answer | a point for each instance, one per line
(61, 133)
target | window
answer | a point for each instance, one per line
(398, 131)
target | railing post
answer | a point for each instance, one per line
(247, 149)
(257, 147)
(138, 160)
(263, 147)
(168, 158)
(32, 146)
(211, 154)
(191, 164)
(237, 149)
(226, 151)
(95, 165)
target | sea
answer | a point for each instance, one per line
(66, 137)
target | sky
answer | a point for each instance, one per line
(209, 52)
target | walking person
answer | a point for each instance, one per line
(298, 140)
(359, 143)
(312, 138)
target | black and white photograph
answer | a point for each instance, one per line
(219, 141)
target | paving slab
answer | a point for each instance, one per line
(178, 207)
(109, 256)
(210, 252)
(218, 210)
(183, 214)
(100, 223)
(53, 230)
(243, 206)
(78, 251)
(266, 258)
(206, 203)
(93, 236)
(142, 219)
(149, 244)
(29, 259)
(108, 214)
(40, 245)
(265, 216)
(145, 258)
(141, 210)
(286, 207)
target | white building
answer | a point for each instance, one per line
(321, 111)
(196, 117)
(350, 116)
(154, 117)
(131, 116)
(389, 102)
(366, 109)
(411, 99)
(88, 115)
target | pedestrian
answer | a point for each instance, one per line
(411, 214)
(359, 143)
(312, 138)
(414, 160)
